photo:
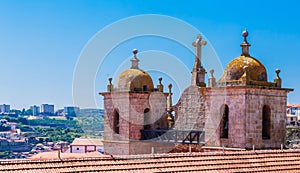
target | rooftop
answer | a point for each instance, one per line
(87, 141)
(228, 161)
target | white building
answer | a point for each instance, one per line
(293, 109)
(47, 109)
(291, 120)
(84, 145)
(4, 108)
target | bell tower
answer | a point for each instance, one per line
(129, 107)
(247, 110)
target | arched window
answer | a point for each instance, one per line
(266, 122)
(224, 121)
(147, 120)
(116, 121)
(145, 88)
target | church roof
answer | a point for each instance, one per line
(235, 70)
(228, 161)
(245, 69)
(135, 79)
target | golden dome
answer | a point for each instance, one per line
(135, 80)
(245, 69)
(236, 69)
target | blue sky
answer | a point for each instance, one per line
(41, 41)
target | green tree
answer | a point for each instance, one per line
(22, 120)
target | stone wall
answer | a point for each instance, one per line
(234, 98)
(245, 116)
(131, 107)
(190, 109)
(198, 109)
(276, 100)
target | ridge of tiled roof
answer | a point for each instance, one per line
(293, 105)
(233, 161)
(87, 141)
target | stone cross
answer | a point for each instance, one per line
(198, 44)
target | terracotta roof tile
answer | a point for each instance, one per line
(87, 141)
(245, 161)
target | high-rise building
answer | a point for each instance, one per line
(4, 108)
(71, 111)
(35, 110)
(47, 109)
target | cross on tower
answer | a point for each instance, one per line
(198, 73)
(198, 44)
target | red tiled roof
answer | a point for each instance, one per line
(241, 161)
(87, 141)
(53, 155)
(293, 105)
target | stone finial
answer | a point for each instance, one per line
(134, 51)
(169, 106)
(212, 79)
(170, 118)
(245, 77)
(134, 60)
(160, 79)
(277, 72)
(277, 79)
(212, 73)
(160, 86)
(110, 85)
(245, 45)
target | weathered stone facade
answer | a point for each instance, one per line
(132, 106)
(241, 110)
(245, 116)
(190, 109)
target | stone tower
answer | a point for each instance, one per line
(133, 105)
(243, 109)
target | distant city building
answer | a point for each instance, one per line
(71, 111)
(59, 112)
(293, 109)
(4, 108)
(47, 109)
(35, 110)
(291, 120)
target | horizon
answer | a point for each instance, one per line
(41, 43)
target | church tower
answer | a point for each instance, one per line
(131, 106)
(244, 110)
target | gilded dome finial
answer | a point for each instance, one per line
(134, 60)
(245, 45)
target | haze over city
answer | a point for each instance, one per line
(41, 41)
